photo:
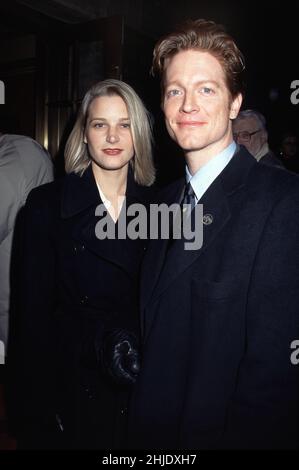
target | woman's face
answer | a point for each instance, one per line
(108, 133)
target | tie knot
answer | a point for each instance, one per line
(189, 191)
(189, 194)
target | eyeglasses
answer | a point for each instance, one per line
(244, 135)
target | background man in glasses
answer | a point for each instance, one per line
(249, 129)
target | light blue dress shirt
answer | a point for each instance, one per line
(205, 176)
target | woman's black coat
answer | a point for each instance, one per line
(73, 288)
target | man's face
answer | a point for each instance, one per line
(253, 142)
(197, 103)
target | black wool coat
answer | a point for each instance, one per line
(219, 322)
(73, 288)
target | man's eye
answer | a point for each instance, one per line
(206, 90)
(173, 93)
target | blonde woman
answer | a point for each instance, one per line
(78, 328)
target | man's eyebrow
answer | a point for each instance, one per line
(200, 82)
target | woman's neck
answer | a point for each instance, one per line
(113, 183)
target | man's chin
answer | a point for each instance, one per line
(187, 148)
(188, 145)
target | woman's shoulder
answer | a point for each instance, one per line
(46, 195)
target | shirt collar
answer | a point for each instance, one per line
(205, 176)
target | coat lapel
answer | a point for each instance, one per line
(216, 212)
(157, 249)
(79, 202)
(79, 193)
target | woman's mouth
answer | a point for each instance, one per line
(110, 151)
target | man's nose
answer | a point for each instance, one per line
(189, 103)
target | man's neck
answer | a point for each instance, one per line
(199, 158)
(262, 151)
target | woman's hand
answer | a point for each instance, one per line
(120, 356)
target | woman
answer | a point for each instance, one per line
(78, 296)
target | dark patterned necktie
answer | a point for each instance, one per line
(187, 204)
(189, 198)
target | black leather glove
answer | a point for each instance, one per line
(120, 356)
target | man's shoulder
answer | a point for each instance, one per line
(269, 185)
(271, 159)
(274, 178)
(25, 155)
(22, 143)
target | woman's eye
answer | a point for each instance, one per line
(126, 125)
(98, 125)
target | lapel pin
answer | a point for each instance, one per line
(207, 219)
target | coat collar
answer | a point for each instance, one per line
(81, 192)
(163, 266)
(80, 198)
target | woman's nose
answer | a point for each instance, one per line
(112, 136)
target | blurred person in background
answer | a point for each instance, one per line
(249, 129)
(24, 165)
(289, 153)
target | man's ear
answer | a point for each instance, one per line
(265, 135)
(235, 106)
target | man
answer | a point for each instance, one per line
(219, 321)
(249, 129)
(24, 164)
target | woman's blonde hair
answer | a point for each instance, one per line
(76, 154)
